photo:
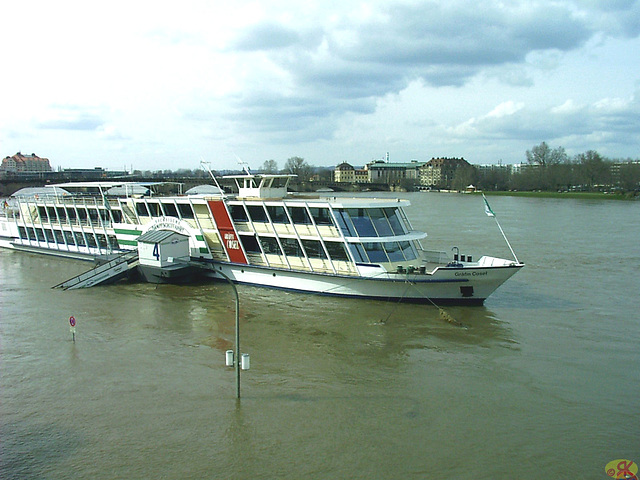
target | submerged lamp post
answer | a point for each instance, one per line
(231, 359)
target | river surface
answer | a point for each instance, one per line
(541, 382)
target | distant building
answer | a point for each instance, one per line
(25, 163)
(388, 172)
(440, 171)
(346, 173)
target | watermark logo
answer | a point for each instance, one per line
(621, 468)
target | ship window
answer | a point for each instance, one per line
(409, 252)
(257, 214)
(270, 245)
(170, 210)
(380, 222)
(394, 251)
(154, 209)
(49, 236)
(291, 247)
(71, 212)
(314, 249)
(69, 238)
(357, 250)
(321, 215)
(375, 252)
(62, 214)
(277, 214)
(91, 241)
(113, 241)
(238, 213)
(342, 217)
(59, 237)
(141, 209)
(79, 239)
(40, 234)
(362, 222)
(117, 216)
(336, 251)
(93, 215)
(42, 212)
(22, 232)
(51, 212)
(395, 220)
(250, 243)
(102, 240)
(185, 210)
(300, 216)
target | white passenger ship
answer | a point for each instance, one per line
(352, 247)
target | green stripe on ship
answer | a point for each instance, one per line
(127, 232)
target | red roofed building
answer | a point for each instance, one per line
(25, 163)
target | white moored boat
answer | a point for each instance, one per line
(352, 247)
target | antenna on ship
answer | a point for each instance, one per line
(245, 165)
(206, 168)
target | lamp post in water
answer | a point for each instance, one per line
(231, 359)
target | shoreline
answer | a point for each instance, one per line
(577, 195)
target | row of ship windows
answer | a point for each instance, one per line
(73, 214)
(157, 209)
(80, 239)
(374, 252)
(354, 222)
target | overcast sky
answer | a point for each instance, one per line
(163, 85)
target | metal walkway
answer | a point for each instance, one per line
(110, 271)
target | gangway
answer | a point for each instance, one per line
(109, 271)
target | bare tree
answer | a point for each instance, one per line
(269, 166)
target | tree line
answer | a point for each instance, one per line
(552, 169)
(546, 169)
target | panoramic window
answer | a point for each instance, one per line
(141, 209)
(257, 213)
(277, 214)
(270, 245)
(375, 252)
(345, 224)
(362, 222)
(397, 225)
(154, 209)
(380, 222)
(238, 213)
(185, 210)
(250, 243)
(314, 249)
(291, 247)
(394, 251)
(170, 210)
(336, 251)
(358, 252)
(321, 215)
(300, 216)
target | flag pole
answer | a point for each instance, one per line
(489, 212)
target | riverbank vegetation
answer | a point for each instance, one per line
(551, 172)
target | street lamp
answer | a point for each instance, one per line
(240, 362)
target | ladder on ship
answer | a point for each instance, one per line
(109, 271)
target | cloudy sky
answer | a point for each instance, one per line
(163, 85)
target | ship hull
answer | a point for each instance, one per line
(445, 286)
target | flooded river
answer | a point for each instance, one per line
(541, 382)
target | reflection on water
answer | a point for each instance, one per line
(338, 388)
